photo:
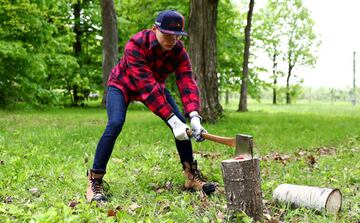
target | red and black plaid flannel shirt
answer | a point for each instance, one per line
(143, 69)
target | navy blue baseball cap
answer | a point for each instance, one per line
(171, 22)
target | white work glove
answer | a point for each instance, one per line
(195, 121)
(178, 128)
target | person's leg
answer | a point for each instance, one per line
(194, 179)
(116, 110)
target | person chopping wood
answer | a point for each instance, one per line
(150, 56)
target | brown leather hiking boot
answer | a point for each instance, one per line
(95, 188)
(195, 179)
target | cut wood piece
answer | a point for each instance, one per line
(243, 186)
(311, 197)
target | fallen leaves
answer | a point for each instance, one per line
(220, 216)
(133, 207)
(112, 212)
(283, 158)
(271, 216)
(273, 221)
(73, 203)
(159, 189)
(8, 200)
(310, 157)
(207, 154)
(323, 151)
(220, 190)
(164, 206)
(311, 160)
(301, 153)
(117, 160)
(35, 191)
(204, 201)
(86, 158)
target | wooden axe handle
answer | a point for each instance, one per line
(219, 139)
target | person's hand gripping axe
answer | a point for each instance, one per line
(180, 129)
(196, 127)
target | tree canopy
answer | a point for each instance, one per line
(51, 51)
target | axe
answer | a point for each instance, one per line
(243, 143)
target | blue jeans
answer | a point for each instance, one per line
(116, 108)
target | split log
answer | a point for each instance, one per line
(243, 186)
(311, 197)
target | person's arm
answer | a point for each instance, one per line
(148, 88)
(189, 94)
(186, 83)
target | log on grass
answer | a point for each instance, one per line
(243, 186)
(311, 197)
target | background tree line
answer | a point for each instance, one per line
(51, 52)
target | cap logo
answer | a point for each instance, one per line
(174, 25)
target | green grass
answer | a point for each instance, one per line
(51, 150)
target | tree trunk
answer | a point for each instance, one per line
(77, 45)
(243, 186)
(110, 41)
(202, 51)
(275, 79)
(77, 28)
(288, 96)
(227, 96)
(274, 91)
(245, 73)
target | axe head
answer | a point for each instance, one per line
(244, 146)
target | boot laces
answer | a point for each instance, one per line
(197, 175)
(98, 186)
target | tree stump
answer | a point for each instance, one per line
(243, 186)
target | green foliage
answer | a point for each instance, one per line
(295, 91)
(13, 57)
(230, 42)
(284, 30)
(37, 45)
(37, 55)
(230, 49)
(301, 39)
(89, 75)
(27, 40)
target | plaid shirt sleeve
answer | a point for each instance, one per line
(142, 77)
(186, 83)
